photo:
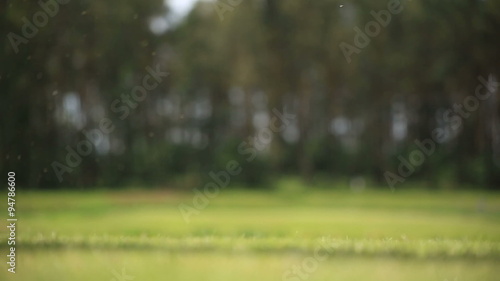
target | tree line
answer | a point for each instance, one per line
(99, 94)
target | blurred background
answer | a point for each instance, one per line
(230, 64)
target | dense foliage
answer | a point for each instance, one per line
(364, 98)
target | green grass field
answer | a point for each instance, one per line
(243, 235)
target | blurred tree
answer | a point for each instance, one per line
(226, 77)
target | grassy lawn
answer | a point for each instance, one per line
(243, 235)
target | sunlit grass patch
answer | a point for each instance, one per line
(368, 235)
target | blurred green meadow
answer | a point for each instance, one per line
(257, 235)
(307, 112)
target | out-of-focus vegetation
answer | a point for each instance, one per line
(225, 78)
(258, 235)
(265, 85)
